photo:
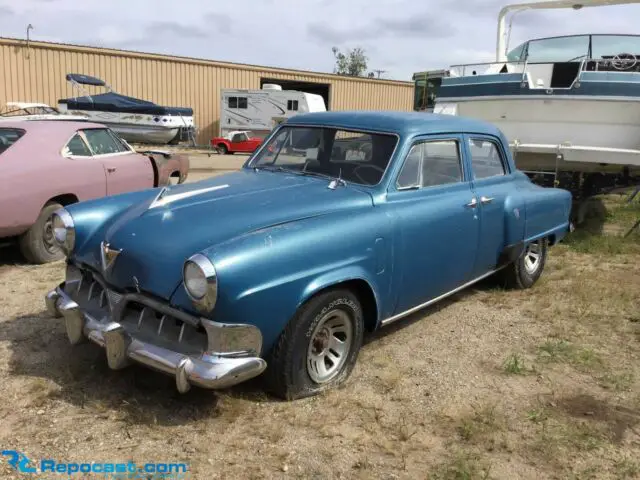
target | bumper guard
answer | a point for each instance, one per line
(211, 370)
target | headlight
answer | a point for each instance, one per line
(64, 231)
(201, 282)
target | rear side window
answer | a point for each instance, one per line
(102, 142)
(77, 148)
(485, 158)
(9, 136)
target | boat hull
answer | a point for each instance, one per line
(137, 128)
(591, 134)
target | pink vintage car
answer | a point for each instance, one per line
(46, 164)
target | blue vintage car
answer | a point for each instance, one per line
(340, 223)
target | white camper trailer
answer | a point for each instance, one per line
(259, 111)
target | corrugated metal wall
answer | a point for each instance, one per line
(36, 73)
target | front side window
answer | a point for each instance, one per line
(356, 157)
(431, 163)
(485, 159)
(9, 136)
(76, 147)
(102, 142)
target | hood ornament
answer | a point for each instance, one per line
(108, 255)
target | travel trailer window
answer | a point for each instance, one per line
(357, 157)
(430, 164)
(292, 104)
(558, 49)
(237, 102)
(9, 136)
(485, 159)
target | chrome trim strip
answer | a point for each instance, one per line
(389, 320)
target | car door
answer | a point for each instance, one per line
(126, 170)
(438, 229)
(492, 183)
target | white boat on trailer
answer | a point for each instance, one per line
(135, 120)
(569, 105)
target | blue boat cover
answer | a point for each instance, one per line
(85, 79)
(114, 102)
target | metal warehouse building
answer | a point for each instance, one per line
(35, 72)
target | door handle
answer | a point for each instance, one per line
(486, 199)
(473, 203)
(111, 169)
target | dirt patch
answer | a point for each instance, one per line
(618, 419)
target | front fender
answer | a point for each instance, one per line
(264, 276)
(337, 276)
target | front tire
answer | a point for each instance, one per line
(222, 149)
(318, 348)
(526, 270)
(37, 244)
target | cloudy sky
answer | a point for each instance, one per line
(399, 36)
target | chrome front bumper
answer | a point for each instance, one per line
(209, 369)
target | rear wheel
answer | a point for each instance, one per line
(319, 347)
(526, 270)
(37, 244)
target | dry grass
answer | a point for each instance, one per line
(497, 384)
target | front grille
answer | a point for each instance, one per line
(149, 325)
(136, 314)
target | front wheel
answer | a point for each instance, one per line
(318, 348)
(526, 270)
(222, 149)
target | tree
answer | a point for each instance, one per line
(353, 62)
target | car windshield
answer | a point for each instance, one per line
(9, 136)
(356, 157)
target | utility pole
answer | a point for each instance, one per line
(379, 72)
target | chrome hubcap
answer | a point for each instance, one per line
(48, 238)
(532, 257)
(329, 346)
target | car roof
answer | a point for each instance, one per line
(52, 127)
(403, 123)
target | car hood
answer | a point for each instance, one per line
(156, 236)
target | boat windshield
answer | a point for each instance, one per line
(606, 46)
(356, 157)
(575, 48)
